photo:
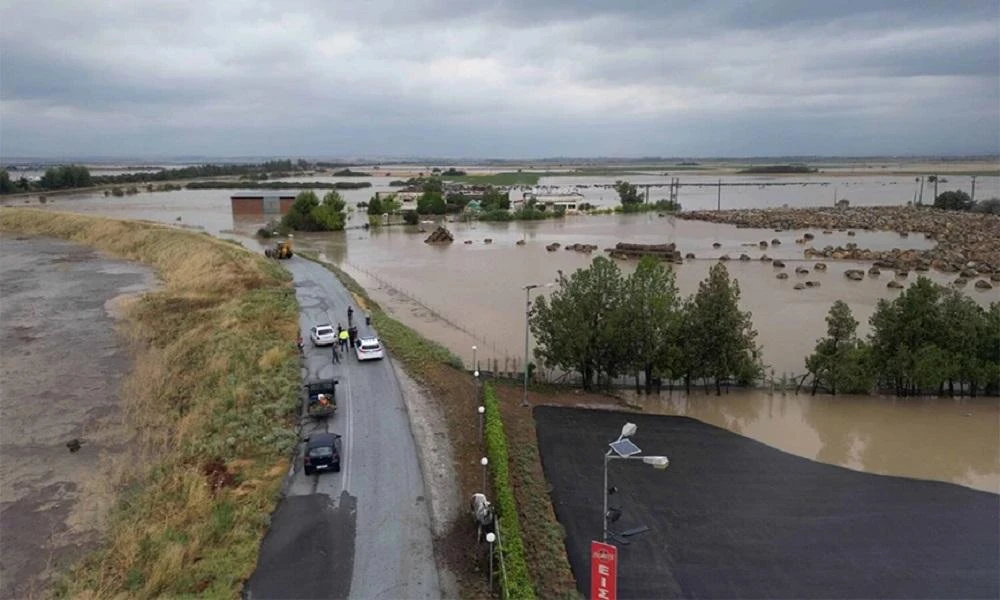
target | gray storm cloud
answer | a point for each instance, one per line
(505, 79)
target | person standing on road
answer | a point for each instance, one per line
(300, 344)
(343, 340)
(336, 354)
(368, 318)
(350, 316)
(353, 335)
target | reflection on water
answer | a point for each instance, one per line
(957, 441)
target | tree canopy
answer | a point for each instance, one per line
(956, 200)
(928, 339)
(839, 359)
(309, 214)
(601, 324)
(628, 193)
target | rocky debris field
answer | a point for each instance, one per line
(966, 243)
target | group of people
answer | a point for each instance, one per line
(344, 336)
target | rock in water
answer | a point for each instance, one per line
(440, 236)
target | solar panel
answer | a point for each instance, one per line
(625, 448)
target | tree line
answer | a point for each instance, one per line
(603, 325)
(928, 340)
(55, 178)
(75, 176)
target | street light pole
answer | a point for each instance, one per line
(604, 537)
(657, 462)
(527, 316)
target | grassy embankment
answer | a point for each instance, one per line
(212, 396)
(441, 372)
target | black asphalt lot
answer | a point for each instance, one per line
(734, 518)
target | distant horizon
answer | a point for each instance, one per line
(149, 159)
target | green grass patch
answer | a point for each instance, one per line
(518, 581)
(212, 395)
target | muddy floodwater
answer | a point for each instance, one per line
(951, 440)
(61, 363)
(476, 290)
(464, 295)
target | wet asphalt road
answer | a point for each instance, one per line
(363, 532)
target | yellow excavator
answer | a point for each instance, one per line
(282, 249)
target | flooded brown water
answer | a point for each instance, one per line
(464, 295)
(956, 441)
(61, 364)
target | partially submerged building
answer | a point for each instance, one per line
(261, 203)
(568, 201)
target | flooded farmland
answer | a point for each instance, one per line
(466, 295)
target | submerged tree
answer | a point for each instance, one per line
(628, 193)
(574, 328)
(309, 214)
(723, 335)
(648, 321)
(839, 360)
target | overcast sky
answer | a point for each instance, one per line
(520, 79)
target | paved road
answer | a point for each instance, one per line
(364, 532)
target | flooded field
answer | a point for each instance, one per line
(61, 363)
(701, 192)
(478, 287)
(472, 294)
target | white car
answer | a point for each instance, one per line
(323, 335)
(368, 348)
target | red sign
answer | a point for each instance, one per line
(603, 571)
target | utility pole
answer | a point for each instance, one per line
(935, 186)
(921, 200)
(973, 189)
(718, 199)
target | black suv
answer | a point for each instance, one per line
(322, 453)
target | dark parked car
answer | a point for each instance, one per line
(322, 453)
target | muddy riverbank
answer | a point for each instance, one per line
(62, 364)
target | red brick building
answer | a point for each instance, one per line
(261, 203)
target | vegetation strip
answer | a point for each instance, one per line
(517, 583)
(212, 397)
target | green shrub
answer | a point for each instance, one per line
(518, 581)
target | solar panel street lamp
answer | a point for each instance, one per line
(625, 449)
